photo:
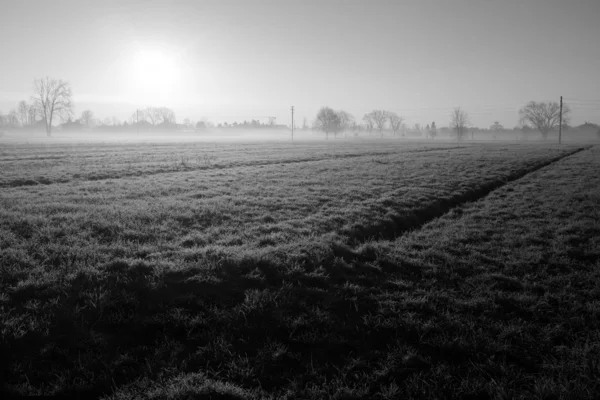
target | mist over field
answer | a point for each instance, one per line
(300, 200)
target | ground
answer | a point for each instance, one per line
(372, 269)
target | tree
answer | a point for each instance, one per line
(346, 120)
(138, 116)
(544, 116)
(32, 114)
(327, 121)
(433, 130)
(369, 123)
(86, 118)
(460, 121)
(52, 97)
(395, 122)
(12, 119)
(379, 117)
(23, 111)
(159, 116)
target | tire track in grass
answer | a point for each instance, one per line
(15, 183)
(397, 225)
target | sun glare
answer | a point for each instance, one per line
(155, 74)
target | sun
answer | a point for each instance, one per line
(155, 74)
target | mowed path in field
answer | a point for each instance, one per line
(261, 280)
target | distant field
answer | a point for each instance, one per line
(299, 270)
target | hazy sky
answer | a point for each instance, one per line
(237, 60)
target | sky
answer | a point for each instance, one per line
(241, 59)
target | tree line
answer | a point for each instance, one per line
(541, 116)
(53, 98)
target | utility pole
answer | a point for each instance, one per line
(560, 122)
(292, 122)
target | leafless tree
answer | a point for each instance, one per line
(379, 118)
(32, 114)
(167, 116)
(327, 121)
(159, 115)
(369, 123)
(138, 116)
(52, 97)
(433, 130)
(395, 122)
(346, 120)
(544, 116)
(12, 119)
(460, 121)
(86, 117)
(23, 110)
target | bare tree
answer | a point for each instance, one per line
(138, 116)
(152, 115)
(167, 116)
(433, 130)
(379, 118)
(369, 123)
(32, 114)
(346, 120)
(159, 115)
(544, 116)
(460, 121)
(12, 119)
(327, 121)
(395, 122)
(86, 117)
(52, 97)
(23, 111)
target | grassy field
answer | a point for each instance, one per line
(339, 270)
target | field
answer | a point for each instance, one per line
(311, 270)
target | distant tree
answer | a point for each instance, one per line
(395, 122)
(459, 123)
(200, 126)
(32, 114)
(327, 121)
(23, 111)
(188, 123)
(11, 120)
(52, 97)
(598, 133)
(115, 121)
(379, 117)
(433, 130)
(346, 120)
(86, 118)
(304, 124)
(138, 116)
(544, 116)
(369, 123)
